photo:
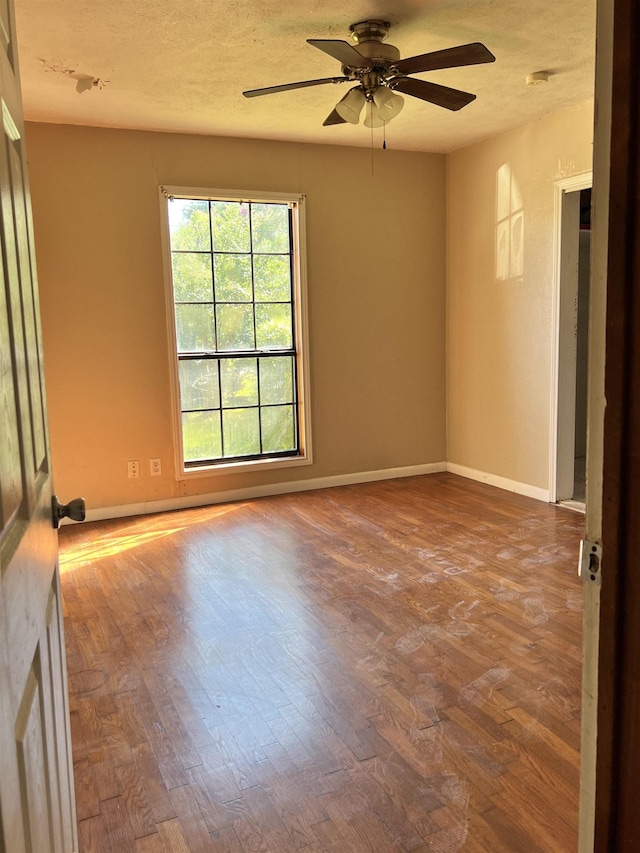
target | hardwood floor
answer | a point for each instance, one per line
(385, 667)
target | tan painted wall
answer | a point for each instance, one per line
(376, 273)
(499, 329)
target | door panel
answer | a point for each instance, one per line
(30, 738)
(32, 340)
(37, 810)
(60, 744)
(10, 468)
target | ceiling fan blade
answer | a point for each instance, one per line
(333, 118)
(341, 50)
(453, 57)
(442, 96)
(269, 90)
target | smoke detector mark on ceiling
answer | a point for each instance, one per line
(537, 77)
(84, 81)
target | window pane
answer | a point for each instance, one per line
(195, 328)
(201, 436)
(273, 327)
(192, 280)
(199, 384)
(276, 380)
(241, 432)
(235, 327)
(233, 278)
(270, 227)
(277, 429)
(189, 225)
(272, 278)
(239, 378)
(230, 225)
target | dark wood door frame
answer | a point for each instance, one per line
(617, 815)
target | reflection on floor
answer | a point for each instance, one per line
(384, 667)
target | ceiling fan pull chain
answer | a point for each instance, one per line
(372, 151)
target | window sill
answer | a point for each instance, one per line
(243, 467)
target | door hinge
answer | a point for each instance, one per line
(589, 563)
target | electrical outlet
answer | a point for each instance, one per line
(134, 469)
(155, 467)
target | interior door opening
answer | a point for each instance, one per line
(569, 429)
(582, 349)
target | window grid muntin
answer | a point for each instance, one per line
(257, 353)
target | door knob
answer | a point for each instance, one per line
(75, 510)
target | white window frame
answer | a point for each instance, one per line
(300, 320)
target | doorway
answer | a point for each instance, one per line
(568, 432)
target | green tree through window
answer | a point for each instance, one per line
(233, 273)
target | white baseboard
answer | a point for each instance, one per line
(500, 482)
(190, 501)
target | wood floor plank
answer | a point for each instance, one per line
(172, 836)
(116, 819)
(155, 789)
(274, 829)
(192, 823)
(533, 814)
(216, 814)
(140, 815)
(149, 844)
(177, 736)
(87, 800)
(391, 667)
(225, 775)
(367, 778)
(93, 836)
(165, 756)
(296, 810)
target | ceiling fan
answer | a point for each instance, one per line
(380, 74)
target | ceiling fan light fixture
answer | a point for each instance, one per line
(388, 103)
(350, 107)
(373, 119)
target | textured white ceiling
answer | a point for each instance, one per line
(181, 65)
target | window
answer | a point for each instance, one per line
(236, 300)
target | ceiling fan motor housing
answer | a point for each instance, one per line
(368, 36)
(375, 51)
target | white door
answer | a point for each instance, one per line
(37, 810)
(595, 418)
